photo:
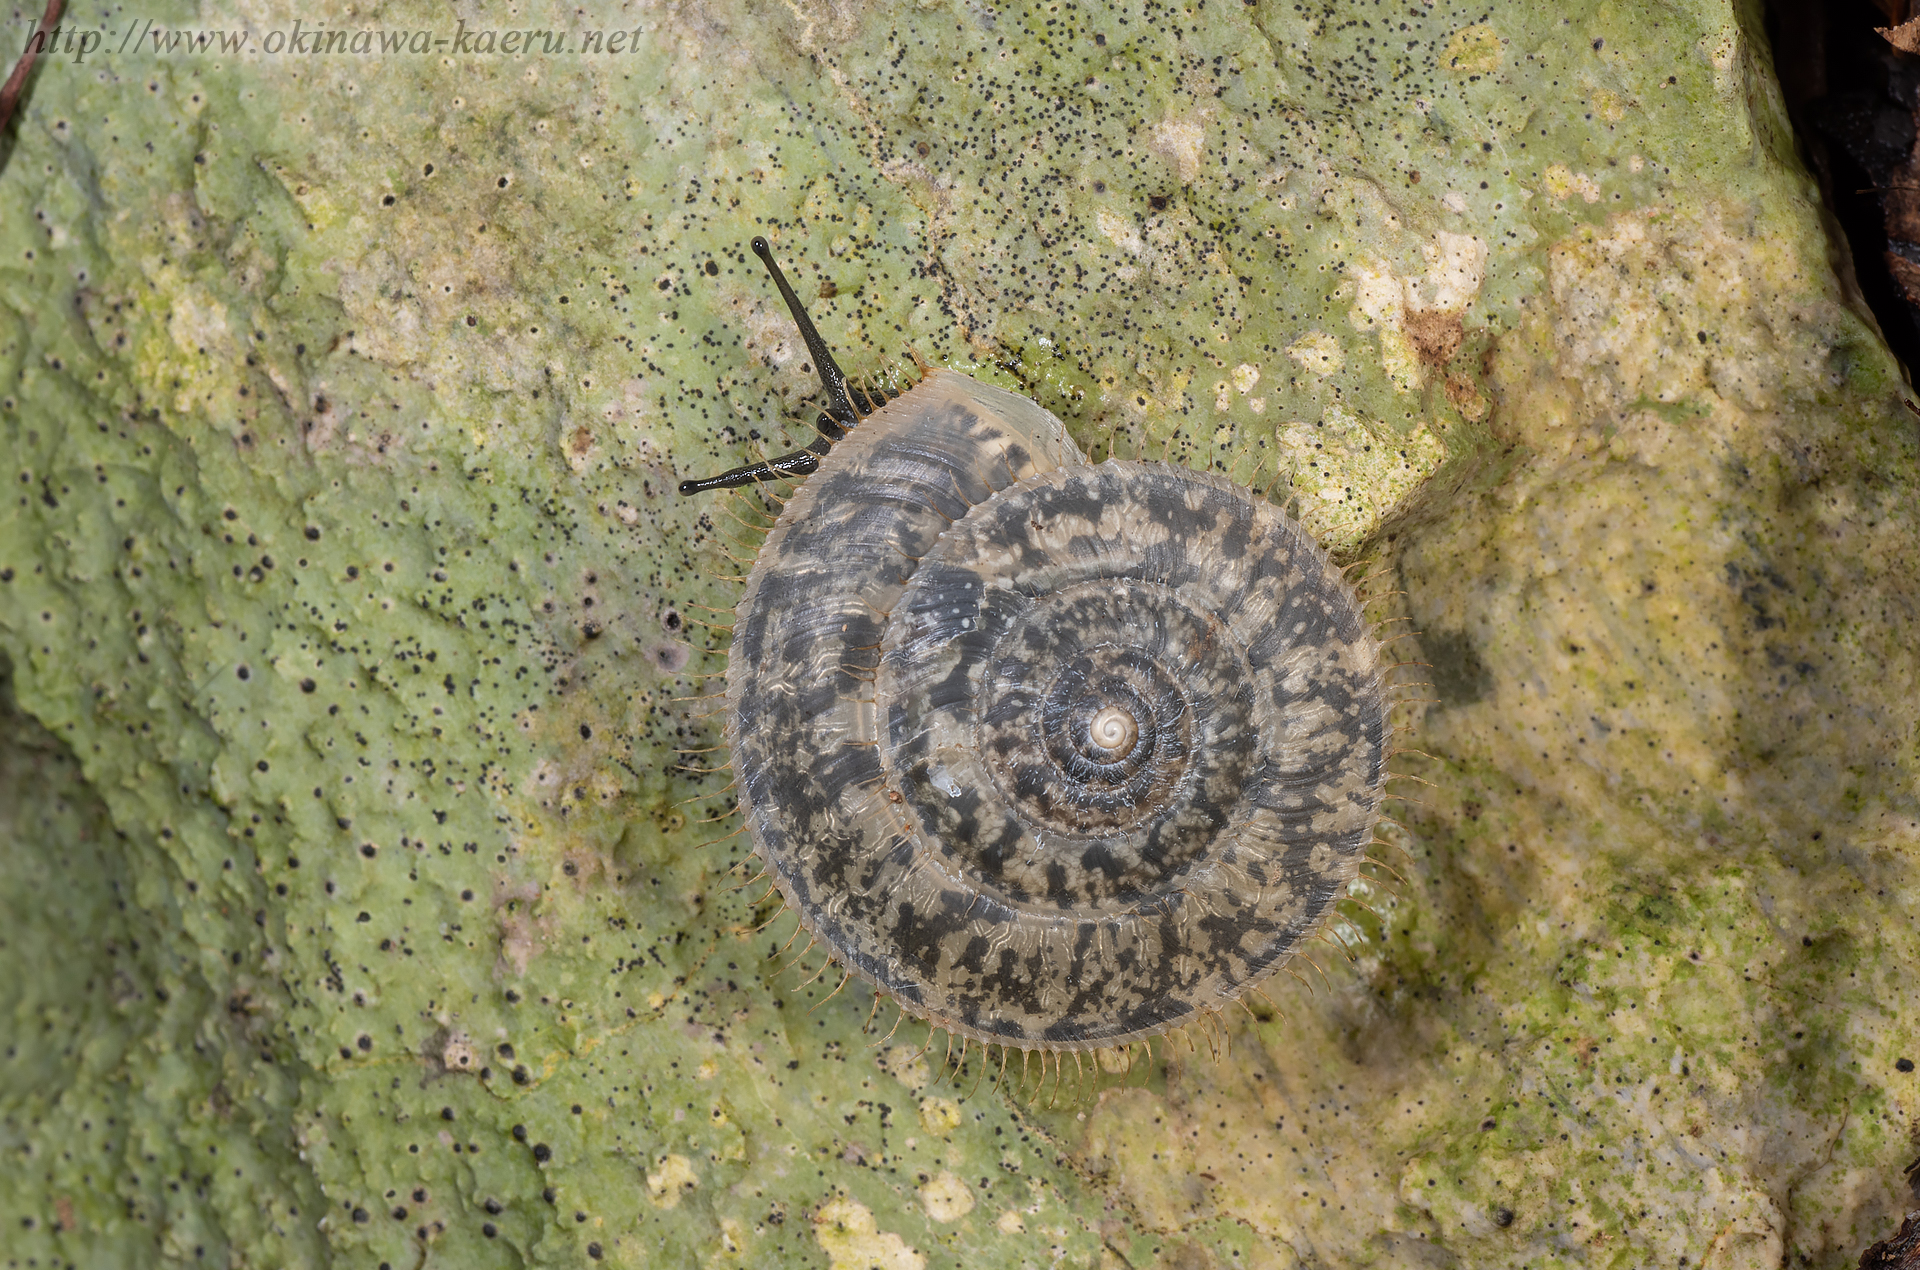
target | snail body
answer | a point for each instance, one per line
(1058, 755)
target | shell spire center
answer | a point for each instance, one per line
(1113, 732)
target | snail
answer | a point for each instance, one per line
(1060, 756)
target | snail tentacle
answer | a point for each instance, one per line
(841, 416)
(799, 463)
(847, 404)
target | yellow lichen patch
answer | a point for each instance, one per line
(823, 202)
(1336, 504)
(1473, 50)
(945, 1197)
(940, 1115)
(1627, 342)
(1608, 105)
(1134, 1142)
(1563, 183)
(189, 365)
(852, 1239)
(1229, 1137)
(1639, 377)
(733, 1240)
(674, 1178)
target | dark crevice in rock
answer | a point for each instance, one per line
(1853, 98)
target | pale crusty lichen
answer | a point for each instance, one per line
(354, 909)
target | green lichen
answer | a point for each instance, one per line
(365, 900)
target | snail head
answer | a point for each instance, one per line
(846, 405)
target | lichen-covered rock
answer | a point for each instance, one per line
(356, 903)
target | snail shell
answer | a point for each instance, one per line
(1058, 755)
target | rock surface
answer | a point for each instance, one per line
(355, 909)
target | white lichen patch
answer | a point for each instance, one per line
(456, 1052)
(908, 1065)
(1120, 231)
(1378, 304)
(1182, 143)
(198, 324)
(847, 1232)
(1456, 266)
(945, 1197)
(1318, 352)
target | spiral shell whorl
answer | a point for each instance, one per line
(1130, 732)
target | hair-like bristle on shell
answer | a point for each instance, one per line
(930, 624)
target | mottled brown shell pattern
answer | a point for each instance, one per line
(1057, 755)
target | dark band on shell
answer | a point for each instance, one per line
(1058, 755)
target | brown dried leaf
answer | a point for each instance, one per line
(1905, 37)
